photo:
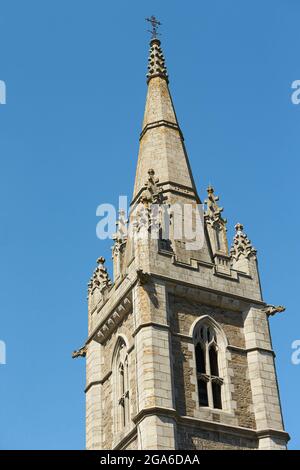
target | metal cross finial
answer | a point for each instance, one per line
(154, 23)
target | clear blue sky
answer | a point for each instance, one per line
(75, 75)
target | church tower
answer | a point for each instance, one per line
(179, 353)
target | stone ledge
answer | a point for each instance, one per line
(161, 326)
(269, 432)
(210, 425)
(91, 384)
(126, 439)
(98, 382)
(249, 350)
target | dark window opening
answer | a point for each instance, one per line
(216, 390)
(213, 360)
(207, 367)
(200, 359)
(202, 390)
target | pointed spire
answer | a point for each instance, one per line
(100, 279)
(242, 247)
(156, 61)
(161, 142)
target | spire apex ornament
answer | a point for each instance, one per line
(156, 61)
(155, 24)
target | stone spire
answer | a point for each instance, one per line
(161, 142)
(242, 252)
(242, 247)
(100, 279)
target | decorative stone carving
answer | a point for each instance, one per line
(150, 211)
(242, 247)
(272, 309)
(142, 277)
(111, 322)
(156, 61)
(153, 193)
(216, 226)
(80, 352)
(120, 237)
(100, 279)
(213, 212)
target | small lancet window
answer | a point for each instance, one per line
(200, 359)
(122, 387)
(213, 360)
(208, 377)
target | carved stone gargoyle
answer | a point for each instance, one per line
(142, 277)
(80, 352)
(272, 309)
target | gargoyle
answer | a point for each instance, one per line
(80, 352)
(272, 309)
(142, 276)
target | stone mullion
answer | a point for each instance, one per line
(208, 372)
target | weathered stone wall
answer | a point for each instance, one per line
(125, 329)
(183, 314)
(107, 414)
(192, 438)
(241, 393)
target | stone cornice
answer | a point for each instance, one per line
(112, 320)
(98, 382)
(178, 283)
(126, 295)
(154, 410)
(171, 187)
(162, 122)
(270, 432)
(150, 323)
(249, 350)
(91, 384)
(210, 425)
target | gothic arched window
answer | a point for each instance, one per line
(207, 367)
(121, 383)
